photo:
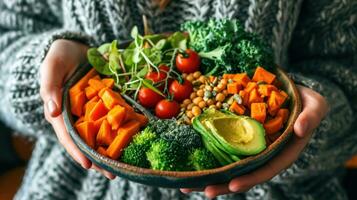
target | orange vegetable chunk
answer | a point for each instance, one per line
(228, 76)
(142, 119)
(82, 83)
(254, 97)
(87, 132)
(111, 98)
(125, 135)
(236, 108)
(245, 97)
(261, 74)
(102, 151)
(266, 89)
(116, 116)
(77, 102)
(90, 92)
(98, 111)
(242, 79)
(105, 136)
(274, 125)
(96, 84)
(109, 82)
(233, 88)
(284, 113)
(88, 108)
(274, 102)
(98, 122)
(79, 120)
(251, 86)
(258, 112)
(97, 77)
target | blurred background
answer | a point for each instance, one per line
(15, 152)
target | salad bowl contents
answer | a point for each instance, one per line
(181, 110)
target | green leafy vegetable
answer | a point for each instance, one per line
(97, 60)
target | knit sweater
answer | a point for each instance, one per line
(315, 40)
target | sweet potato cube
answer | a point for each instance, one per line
(82, 83)
(250, 86)
(274, 125)
(266, 89)
(242, 79)
(258, 111)
(77, 102)
(236, 108)
(116, 116)
(274, 102)
(245, 97)
(90, 92)
(254, 97)
(233, 88)
(98, 111)
(109, 82)
(102, 151)
(105, 136)
(284, 113)
(87, 132)
(261, 74)
(96, 84)
(124, 136)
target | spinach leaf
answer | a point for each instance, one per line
(97, 60)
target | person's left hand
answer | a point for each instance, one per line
(314, 110)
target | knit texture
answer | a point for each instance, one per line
(314, 40)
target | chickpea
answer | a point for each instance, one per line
(202, 79)
(197, 100)
(224, 81)
(215, 89)
(221, 87)
(202, 86)
(186, 102)
(190, 77)
(189, 114)
(197, 74)
(219, 105)
(210, 102)
(208, 88)
(220, 97)
(202, 104)
(200, 93)
(189, 106)
(212, 106)
(184, 75)
(225, 92)
(196, 111)
(193, 95)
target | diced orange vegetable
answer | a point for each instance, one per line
(102, 151)
(274, 125)
(258, 112)
(254, 97)
(116, 116)
(233, 88)
(96, 84)
(274, 102)
(98, 111)
(79, 120)
(251, 86)
(242, 79)
(88, 108)
(97, 77)
(98, 123)
(284, 113)
(111, 98)
(125, 135)
(109, 82)
(77, 102)
(236, 108)
(105, 136)
(87, 132)
(245, 97)
(90, 92)
(261, 74)
(266, 89)
(228, 76)
(82, 83)
(284, 94)
(142, 119)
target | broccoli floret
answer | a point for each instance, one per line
(145, 137)
(160, 126)
(170, 156)
(201, 159)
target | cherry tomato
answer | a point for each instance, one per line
(181, 91)
(148, 98)
(164, 68)
(167, 109)
(189, 63)
(156, 76)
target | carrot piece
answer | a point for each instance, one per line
(96, 84)
(242, 79)
(88, 107)
(238, 109)
(98, 111)
(125, 135)
(258, 112)
(233, 88)
(97, 77)
(79, 120)
(105, 136)
(251, 86)
(82, 83)
(109, 82)
(116, 116)
(261, 74)
(111, 98)
(77, 101)
(90, 92)
(102, 151)
(228, 76)
(87, 132)
(98, 123)
(254, 97)
(284, 113)
(284, 94)
(274, 125)
(142, 119)
(274, 102)
(266, 89)
(245, 97)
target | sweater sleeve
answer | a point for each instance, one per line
(27, 30)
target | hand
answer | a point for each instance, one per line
(61, 61)
(314, 110)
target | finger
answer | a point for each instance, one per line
(314, 109)
(188, 190)
(102, 171)
(213, 191)
(65, 139)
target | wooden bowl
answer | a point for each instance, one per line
(186, 179)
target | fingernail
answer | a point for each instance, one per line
(51, 106)
(233, 188)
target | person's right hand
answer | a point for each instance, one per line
(59, 64)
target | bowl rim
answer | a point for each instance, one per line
(284, 137)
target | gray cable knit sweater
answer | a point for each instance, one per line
(315, 40)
